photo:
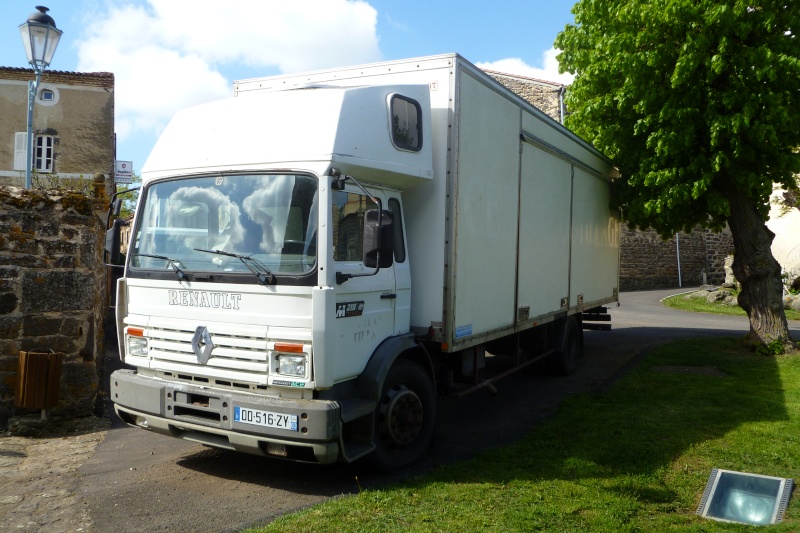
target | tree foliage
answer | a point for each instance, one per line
(698, 104)
(688, 97)
(129, 199)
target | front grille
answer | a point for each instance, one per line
(231, 352)
(240, 357)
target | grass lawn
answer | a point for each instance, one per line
(700, 305)
(635, 458)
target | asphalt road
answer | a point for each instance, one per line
(140, 481)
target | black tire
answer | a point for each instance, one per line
(564, 362)
(405, 419)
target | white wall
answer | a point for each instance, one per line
(786, 246)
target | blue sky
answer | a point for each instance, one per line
(170, 54)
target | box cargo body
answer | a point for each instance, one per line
(515, 228)
(318, 259)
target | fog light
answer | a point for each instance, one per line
(276, 449)
(745, 498)
(292, 365)
(137, 346)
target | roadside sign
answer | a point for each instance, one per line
(123, 171)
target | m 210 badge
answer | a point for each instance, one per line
(347, 309)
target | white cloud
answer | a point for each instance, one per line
(291, 35)
(170, 54)
(515, 65)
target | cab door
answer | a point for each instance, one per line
(365, 304)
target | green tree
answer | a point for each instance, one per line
(129, 199)
(698, 104)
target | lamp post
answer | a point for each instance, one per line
(40, 38)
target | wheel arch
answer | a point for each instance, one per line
(370, 382)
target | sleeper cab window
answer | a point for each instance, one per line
(406, 117)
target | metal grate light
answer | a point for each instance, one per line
(745, 498)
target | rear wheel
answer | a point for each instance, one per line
(405, 418)
(564, 361)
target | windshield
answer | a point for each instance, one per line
(269, 218)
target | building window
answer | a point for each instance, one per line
(47, 95)
(43, 154)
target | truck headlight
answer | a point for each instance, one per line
(292, 365)
(137, 346)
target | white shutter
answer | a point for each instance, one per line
(20, 149)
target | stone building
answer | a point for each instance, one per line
(53, 283)
(646, 260)
(73, 126)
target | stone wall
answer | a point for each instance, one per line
(648, 262)
(718, 247)
(52, 292)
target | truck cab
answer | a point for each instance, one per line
(261, 278)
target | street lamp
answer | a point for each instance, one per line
(40, 38)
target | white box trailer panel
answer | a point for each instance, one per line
(594, 268)
(533, 235)
(485, 191)
(544, 235)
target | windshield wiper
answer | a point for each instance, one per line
(172, 262)
(260, 269)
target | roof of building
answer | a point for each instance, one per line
(93, 79)
(524, 78)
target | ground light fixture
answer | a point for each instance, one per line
(745, 498)
(40, 38)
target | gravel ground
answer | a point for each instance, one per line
(38, 477)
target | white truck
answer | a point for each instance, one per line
(316, 260)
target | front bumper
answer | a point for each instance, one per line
(205, 415)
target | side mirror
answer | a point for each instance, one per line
(116, 207)
(378, 239)
(113, 241)
(338, 183)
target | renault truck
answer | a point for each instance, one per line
(316, 261)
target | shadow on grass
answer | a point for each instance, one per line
(689, 393)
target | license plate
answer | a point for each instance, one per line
(267, 419)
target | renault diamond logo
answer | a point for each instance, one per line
(202, 344)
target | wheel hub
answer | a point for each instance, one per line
(401, 415)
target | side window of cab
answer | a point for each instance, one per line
(406, 122)
(348, 225)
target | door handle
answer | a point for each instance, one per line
(388, 296)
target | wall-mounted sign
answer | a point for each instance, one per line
(123, 171)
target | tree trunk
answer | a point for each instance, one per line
(757, 270)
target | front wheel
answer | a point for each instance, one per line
(405, 419)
